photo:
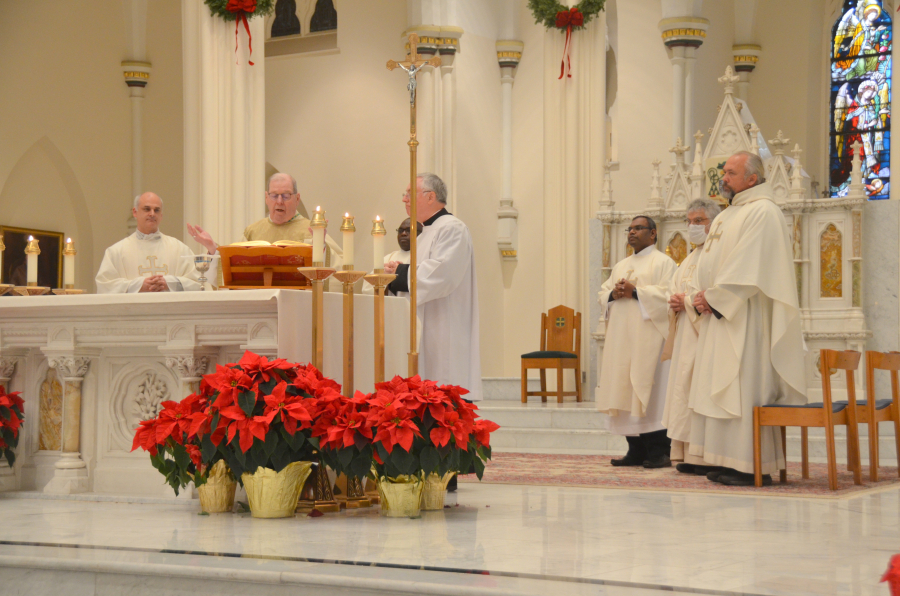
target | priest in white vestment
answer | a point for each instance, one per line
(632, 383)
(148, 260)
(400, 256)
(750, 352)
(681, 344)
(447, 293)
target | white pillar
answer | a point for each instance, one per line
(509, 52)
(745, 58)
(682, 36)
(448, 47)
(689, 62)
(224, 124)
(677, 92)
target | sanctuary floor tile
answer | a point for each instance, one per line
(492, 539)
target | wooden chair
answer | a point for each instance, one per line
(559, 327)
(872, 411)
(826, 415)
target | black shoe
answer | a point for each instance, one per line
(662, 461)
(628, 460)
(718, 472)
(688, 468)
(734, 478)
(451, 485)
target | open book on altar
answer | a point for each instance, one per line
(257, 264)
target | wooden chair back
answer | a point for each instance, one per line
(848, 361)
(561, 330)
(889, 361)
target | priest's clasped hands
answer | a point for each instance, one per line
(623, 289)
(154, 283)
(391, 268)
(676, 302)
(700, 303)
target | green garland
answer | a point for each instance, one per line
(545, 11)
(219, 8)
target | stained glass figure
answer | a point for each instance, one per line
(861, 97)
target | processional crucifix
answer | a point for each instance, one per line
(412, 65)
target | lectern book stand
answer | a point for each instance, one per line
(255, 266)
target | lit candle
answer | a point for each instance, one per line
(348, 228)
(32, 250)
(378, 233)
(69, 265)
(318, 231)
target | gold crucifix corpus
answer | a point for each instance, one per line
(412, 65)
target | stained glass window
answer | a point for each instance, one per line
(861, 97)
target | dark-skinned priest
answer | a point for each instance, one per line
(750, 352)
(447, 293)
(632, 384)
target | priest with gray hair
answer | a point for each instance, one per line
(681, 343)
(750, 349)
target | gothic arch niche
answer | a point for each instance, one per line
(831, 262)
(860, 47)
(63, 205)
(324, 18)
(286, 21)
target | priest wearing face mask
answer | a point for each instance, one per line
(681, 343)
(148, 260)
(632, 385)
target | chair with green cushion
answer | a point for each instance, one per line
(560, 350)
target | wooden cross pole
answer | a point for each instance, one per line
(412, 65)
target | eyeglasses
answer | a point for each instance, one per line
(636, 229)
(697, 221)
(283, 197)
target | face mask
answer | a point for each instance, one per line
(697, 234)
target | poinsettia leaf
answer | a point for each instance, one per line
(280, 459)
(240, 456)
(4, 412)
(360, 465)
(404, 460)
(295, 441)
(444, 451)
(207, 450)
(454, 459)
(314, 441)
(7, 436)
(345, 456)
(182, 459)
(10, 457)
(479, 468)
(237, 468)
(429, 459)
(360, 441)
(267, 386)
(247, 401)
(271, 444)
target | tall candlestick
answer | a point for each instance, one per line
(348, 228)
(2, 248)
(32, 250)
(318, 231)
(378, 233)
(69, 265)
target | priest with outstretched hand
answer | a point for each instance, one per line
(632, 386)
(148, 260)
(447, 294)
(750, 351)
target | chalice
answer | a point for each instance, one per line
(202, 263)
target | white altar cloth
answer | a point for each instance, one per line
(142, 348)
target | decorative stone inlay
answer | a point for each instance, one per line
(50, 417)
(151, 391)
(221, 329)
(70, 367)
(188, 367)
(831, 262)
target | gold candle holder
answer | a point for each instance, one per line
(348, 226)
(31, 288)
(379, 281)
(317, 493)
(317, 277)
(67, 291)
(348, 278)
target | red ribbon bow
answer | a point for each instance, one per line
(242, 8)
(568, 19)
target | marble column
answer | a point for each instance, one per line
(224, 124)
(189, 369)
(509, 53)
(682, 36)
(71, 475)
(136, 70)
(447, 48)
(745, 58)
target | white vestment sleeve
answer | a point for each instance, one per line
(451, 257)
(108, 279)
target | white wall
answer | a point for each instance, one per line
(65, 159)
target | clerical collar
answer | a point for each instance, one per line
(296, 215)
(153, 236)
(434, 217)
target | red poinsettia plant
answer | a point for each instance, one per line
(253, 413)
(12, 415)
(411, 427)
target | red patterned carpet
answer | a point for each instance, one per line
(595, 471)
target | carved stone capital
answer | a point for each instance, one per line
(188, 367)
(7, 368)
(70, 367)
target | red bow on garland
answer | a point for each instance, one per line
(241, 8)
(568, 19)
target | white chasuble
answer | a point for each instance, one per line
(753, 355)
(632, 378)
(127, 262)
(683, 342)
(447, 297)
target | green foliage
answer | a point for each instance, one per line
(219, 8)
(545, 11)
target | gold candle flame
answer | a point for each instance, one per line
(348, 225)
(378, 227)
(32, 247)
(318, 219)
(70, 247)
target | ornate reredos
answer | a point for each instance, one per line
(728, 134)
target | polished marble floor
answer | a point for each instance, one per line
(516, 540)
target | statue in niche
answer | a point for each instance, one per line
(324, 18)
(51, 402)
(286, 21)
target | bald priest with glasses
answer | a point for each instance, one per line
(632, 387)
(284, 222)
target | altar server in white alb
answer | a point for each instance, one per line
(750, 352)
(632, 386)
(401, 256)
(148, 260)
(681, 344)
(447, 293)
